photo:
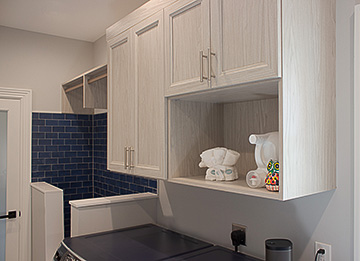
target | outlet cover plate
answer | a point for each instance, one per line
(327, 255)
(242, 228)
(238, 227)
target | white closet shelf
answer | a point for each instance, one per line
(86, 92)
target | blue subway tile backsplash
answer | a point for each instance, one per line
(69, 151)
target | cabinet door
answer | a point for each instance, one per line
(149, 153)
(121, 97)
(187, 33)
(245, 37)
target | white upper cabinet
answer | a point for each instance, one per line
(121, 98)
(149, 85)
(187, 39)
(215, 43)
(245, 41)
(136, 127)
(267, 74)
(214, 72)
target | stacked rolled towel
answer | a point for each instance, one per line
(220, 162)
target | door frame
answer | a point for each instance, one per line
(25, 99)
(356, 183)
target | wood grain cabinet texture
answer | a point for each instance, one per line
(187, 38)
(272, 69)
(136, 127)
(217, 43)
(224, 69)
(121, 102)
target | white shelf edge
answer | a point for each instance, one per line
(45, 187)
(238, 187)
(94, 202)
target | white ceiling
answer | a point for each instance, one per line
(77, 19)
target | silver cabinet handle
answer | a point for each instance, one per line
(202, 56)
(126, 163)
(209, 64)
(131, 151)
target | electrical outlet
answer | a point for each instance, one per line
(241, 228)
(327, 248)
(238, 227)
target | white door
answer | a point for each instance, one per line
(14, 181)
(10, 177)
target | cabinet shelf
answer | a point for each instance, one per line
(238, 186)
(86, 92)
(258, 90)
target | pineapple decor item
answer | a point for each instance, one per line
(272, 178)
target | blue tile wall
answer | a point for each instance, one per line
(69, 151)
(62, 155)
(107, 183)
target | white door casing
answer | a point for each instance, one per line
(356, 132)
(17, 103)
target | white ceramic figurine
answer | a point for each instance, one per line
(220, 163)
(267, 148)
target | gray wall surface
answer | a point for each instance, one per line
(326, 217)
(42, 63)
(100, 51)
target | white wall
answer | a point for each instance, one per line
(42, 63)
(100, 51)
(326, 217)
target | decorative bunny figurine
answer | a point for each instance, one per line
(220, 163)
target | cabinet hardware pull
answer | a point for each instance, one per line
(202, 56)
(131, 158)
(126, 157)
(209, 64)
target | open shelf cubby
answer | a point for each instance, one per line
(85, 92)
(196, 124)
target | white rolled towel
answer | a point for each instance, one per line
(221, 173)
(231, 158)
(212, 157)
(220, 162)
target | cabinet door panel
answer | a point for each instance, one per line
(186, 33)
(149, 81)
(245, 40)
(121, 97)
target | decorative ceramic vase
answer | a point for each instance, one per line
(267, 148)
